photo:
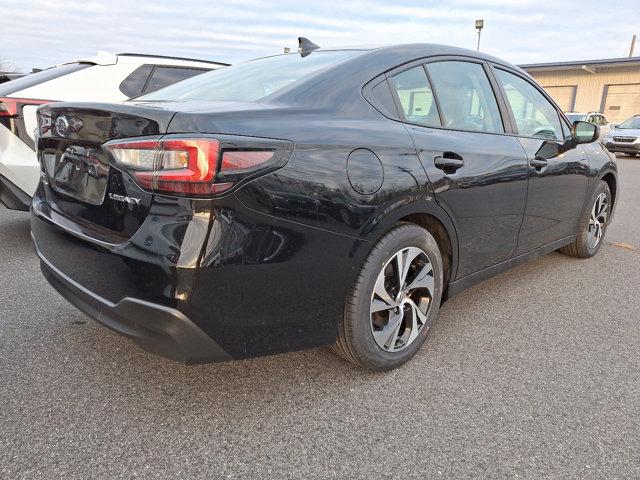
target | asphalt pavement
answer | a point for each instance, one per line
(532, 374)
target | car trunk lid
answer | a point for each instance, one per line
(79, 179)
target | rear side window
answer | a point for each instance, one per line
(132, 85)
(416, 97)
(34, 79)
(535, 116)
(467, 101)
(163, 76)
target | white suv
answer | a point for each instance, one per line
(592, 117)
(104, 78)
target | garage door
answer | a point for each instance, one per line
(564, 96)
(621, 102)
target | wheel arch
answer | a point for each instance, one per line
(430, 216)
(609, 174)
(611, 179)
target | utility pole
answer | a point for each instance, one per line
(479, 25)
(633, 45)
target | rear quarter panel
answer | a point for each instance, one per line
(601, 163)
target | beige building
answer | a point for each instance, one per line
(610, 86)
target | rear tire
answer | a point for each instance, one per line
(593, 224)
(394, 300)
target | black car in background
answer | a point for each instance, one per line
(327, 197)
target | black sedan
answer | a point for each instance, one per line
(325, 197)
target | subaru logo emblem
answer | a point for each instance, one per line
(62, 125)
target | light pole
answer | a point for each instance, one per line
(479, 25)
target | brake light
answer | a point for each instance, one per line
(10, 107)
(187, 166)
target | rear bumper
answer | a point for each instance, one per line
(12, 197)
(155, 328)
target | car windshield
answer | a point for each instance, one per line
(250, 81)
(576, 117)
(633, 122)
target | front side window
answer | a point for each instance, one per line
(416, 97)
(566, 130)
(467, 101)
(535, 116)
(596, 119)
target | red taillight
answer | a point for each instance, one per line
(187, 166)
(10, 107)
(244, 159)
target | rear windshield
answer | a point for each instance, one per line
(576, 117)
(37, 78)
(632, 123)
(251, 81)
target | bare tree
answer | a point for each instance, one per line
(7, 66)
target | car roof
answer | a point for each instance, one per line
(426, 50)
(408, 52)
(370, 63)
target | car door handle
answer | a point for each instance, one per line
(538, 163)
(448, 162)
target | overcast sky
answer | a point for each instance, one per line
(41, 33)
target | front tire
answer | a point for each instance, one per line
(394, 300)
(593, 224)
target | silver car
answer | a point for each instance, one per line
(624, 138)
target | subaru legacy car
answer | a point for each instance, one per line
(625, 138)
(325, 197)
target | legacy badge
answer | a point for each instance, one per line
(122, 198)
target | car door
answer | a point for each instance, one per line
(478, 174)
(557, 167)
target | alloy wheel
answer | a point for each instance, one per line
(598, 220)
(401, 299)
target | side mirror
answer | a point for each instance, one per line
(583, 132)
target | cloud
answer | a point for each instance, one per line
(45, 33)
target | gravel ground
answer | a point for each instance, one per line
(532, 374)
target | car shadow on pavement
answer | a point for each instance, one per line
(271, 380)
